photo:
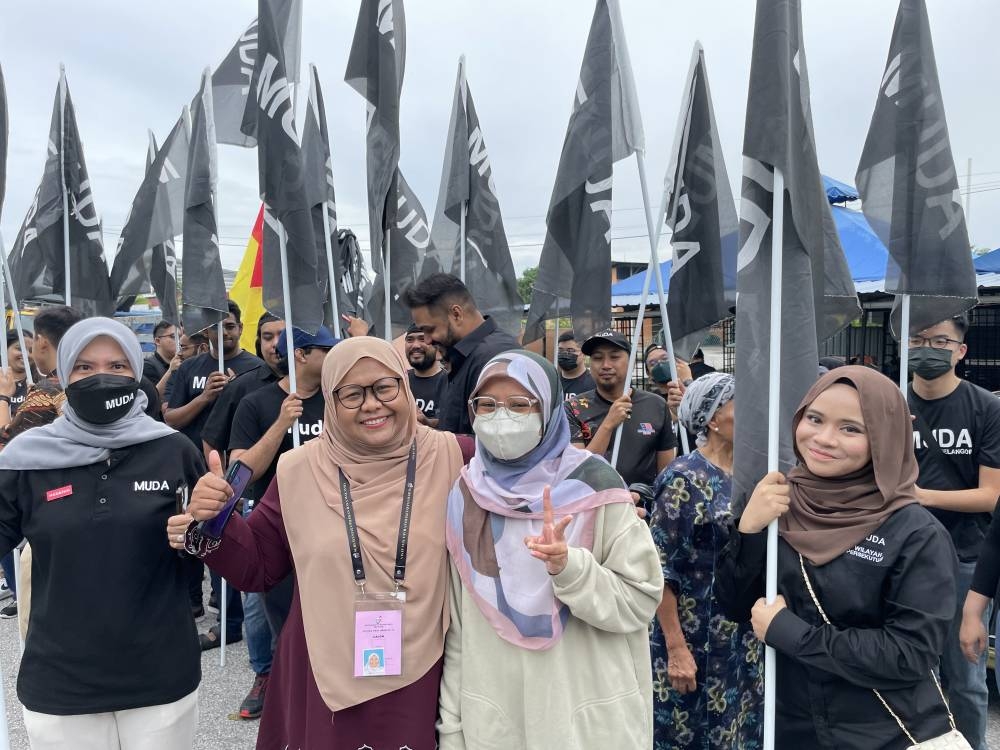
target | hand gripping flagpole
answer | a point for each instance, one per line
(652, 270)
(62, 179)
(387, 285)
(773, 443)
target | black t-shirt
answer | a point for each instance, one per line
(218, 427)
(189, 380)
(258, 412)
(20, 392)
(153, 400)
(101, 528)
(575, 386)
(965, 425)
(155, 367)
(429, 392)
(647, 432)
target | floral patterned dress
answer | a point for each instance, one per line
(690, 524)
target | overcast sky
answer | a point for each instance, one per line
(132, 65)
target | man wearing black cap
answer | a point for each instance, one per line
(648, 443)
(428, 381)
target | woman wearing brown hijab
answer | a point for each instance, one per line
(347, 674)
(854, 542)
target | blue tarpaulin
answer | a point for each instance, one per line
(988, 263)
(865, 253)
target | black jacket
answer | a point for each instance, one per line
(111, 626)
(467, 359)
(890, 600)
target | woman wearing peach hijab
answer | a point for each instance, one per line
(372, 456)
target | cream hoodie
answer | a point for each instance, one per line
(593, 689)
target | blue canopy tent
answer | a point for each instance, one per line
(865, 253)
(988, 262)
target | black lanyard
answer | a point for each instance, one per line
(354, 543)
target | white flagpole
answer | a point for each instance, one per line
(386, 285)
(653, 269)
(8, 280)
(62, 180)
(773, 442)
(223, 594)
(461, 234)
(904, 335)
(331, 271)
(555, 337)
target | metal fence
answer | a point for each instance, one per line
(868, 341)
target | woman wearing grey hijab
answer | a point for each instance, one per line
(111, 657)
(698, 655)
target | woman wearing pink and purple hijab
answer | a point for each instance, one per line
(554, 581)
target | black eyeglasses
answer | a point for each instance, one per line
(936, 342)
(307, 349)
(353, 396)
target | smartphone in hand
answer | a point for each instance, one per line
(238, 477)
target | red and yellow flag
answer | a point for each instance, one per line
(247, 290)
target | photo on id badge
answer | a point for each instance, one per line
(374, 661)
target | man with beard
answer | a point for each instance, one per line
(428, 381)
(197, 384)
(648, 443)
(444, 310)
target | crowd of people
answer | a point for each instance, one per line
(434, 550)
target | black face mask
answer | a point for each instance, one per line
(102, 399)
(929, 363)
(566, 361)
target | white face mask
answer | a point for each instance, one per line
(507, 437)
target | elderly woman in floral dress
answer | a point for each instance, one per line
(707, 686)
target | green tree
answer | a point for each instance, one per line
(526, 284)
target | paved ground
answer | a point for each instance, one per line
(222, 689)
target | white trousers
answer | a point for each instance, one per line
(170, 726)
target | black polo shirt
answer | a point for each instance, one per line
(111, 625)
(189, 380)
(467, 359)
(155, 367)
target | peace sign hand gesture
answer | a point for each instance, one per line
(550, 547)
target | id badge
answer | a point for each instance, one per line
(378, 634)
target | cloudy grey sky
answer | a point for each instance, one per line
(132, 64)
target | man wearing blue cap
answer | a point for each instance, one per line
(261, 432)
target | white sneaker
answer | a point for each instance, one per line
(5, 592)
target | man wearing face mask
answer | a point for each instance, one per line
(428, 381)
(956, 438)
(573, 373)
